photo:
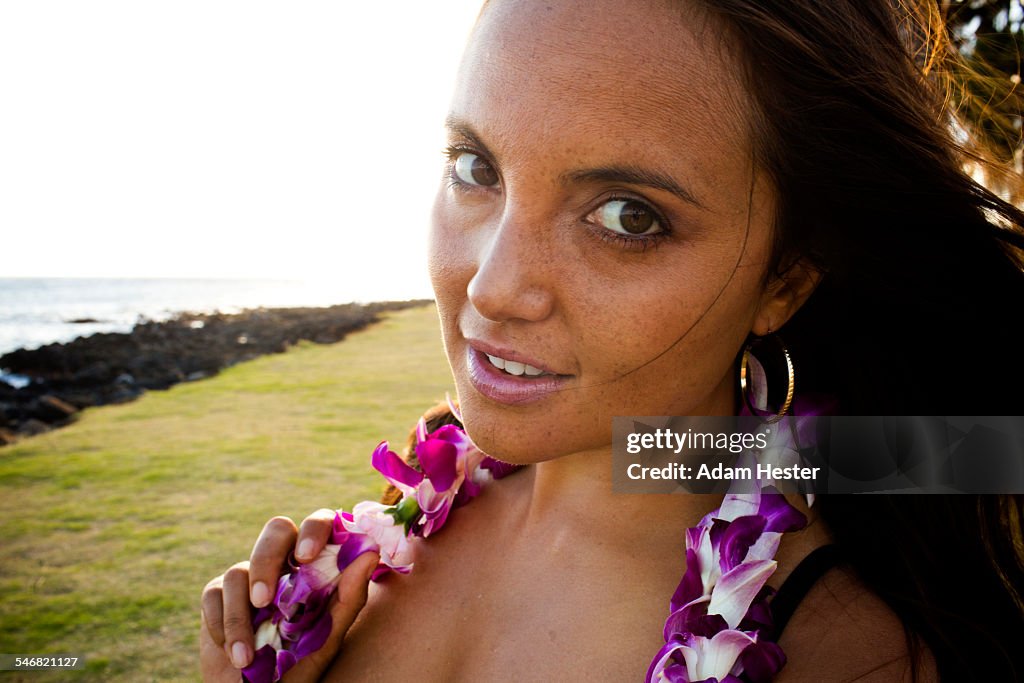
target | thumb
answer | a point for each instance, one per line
(348, 600)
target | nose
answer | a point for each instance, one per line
(515, 272)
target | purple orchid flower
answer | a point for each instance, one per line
(281, 642)
(689, 658)
(449, 460)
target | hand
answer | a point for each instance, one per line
(226, 635)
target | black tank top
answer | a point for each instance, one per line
(799, 582)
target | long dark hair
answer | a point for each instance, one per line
(919, 310)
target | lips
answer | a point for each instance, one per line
(509, 377)
(505, 354)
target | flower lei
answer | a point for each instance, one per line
(297, 622)
(719, 612)
(719, 621)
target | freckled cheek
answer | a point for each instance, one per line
(441, 271)
(659, 348)
(446, 252)
(451, 266)
(456, 243)
(629, 321)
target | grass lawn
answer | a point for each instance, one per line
(109, 528)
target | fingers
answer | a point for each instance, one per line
(279, 538)
(350, 599)
(226, 614)
(238, 635)
(228, 599)
(214, 665)
(314, 534)
(213, 610)
(268, 557)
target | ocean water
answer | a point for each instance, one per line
(38, 311)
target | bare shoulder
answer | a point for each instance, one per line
(843, 632)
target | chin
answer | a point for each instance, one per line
(526, 435)
(497, 431)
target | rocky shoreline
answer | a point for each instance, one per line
(117, 367)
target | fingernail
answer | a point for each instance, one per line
(306, 548)
(239, 654)
(260, 594)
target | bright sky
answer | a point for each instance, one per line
(224, 138)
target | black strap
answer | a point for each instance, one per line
(799, 582)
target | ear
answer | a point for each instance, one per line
(784, 296)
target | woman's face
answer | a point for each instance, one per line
(600, 222)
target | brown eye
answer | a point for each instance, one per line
(628, 217)
(473, 170)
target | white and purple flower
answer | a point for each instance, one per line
(718, 613)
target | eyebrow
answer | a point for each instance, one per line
(634, 175)
(631, 175)
(460, 127)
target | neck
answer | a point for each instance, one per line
(572, 496)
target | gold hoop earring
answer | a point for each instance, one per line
(747, 377)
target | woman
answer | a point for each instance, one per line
(633, 191)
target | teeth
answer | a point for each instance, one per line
(514, 368)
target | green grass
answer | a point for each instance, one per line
(109, 528)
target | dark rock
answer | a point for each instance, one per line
(123, 395)
(7, 392)
(57, 407)
(47, 409)
(94, 373)
(80, 399)
(32, 427)
(76, 321)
